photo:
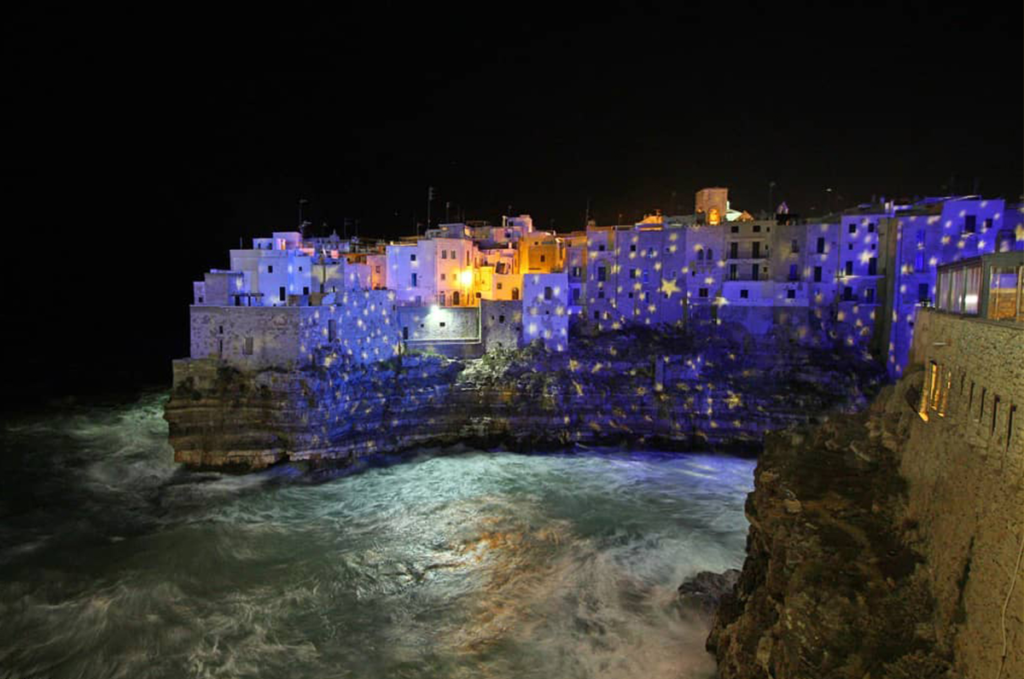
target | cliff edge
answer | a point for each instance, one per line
(881, 544)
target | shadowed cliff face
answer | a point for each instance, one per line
(644, 389)
(831, 586)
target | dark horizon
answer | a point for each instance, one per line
(146, 145)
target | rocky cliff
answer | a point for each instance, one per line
(640, 388)
(859, 560)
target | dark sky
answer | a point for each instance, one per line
(142, 145)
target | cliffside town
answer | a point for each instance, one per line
(328, 348)
(883, 543)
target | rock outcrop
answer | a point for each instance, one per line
(648, 389)
(841, 578)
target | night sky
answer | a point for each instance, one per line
(140, 146)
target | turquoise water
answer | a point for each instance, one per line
(117, 563)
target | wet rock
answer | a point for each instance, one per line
(703, 592)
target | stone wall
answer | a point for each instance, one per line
(439, 324)
(248, 337)
(501, 324)
(965, 468)
(358, 326)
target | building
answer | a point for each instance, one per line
(855, 279)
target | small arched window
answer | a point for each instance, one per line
(700, 254)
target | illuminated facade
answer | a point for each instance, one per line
(854, 279)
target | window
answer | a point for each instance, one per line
(501, 318)
(733, 273)
(849, 267)
(847, 294)
(794, 246)
(920, 235)
(986, 225)
(455, 298)
(270, 268)
(415, 280)
(542, 258)
(632, 273)
(441, 324)
(602, 273)
(970, 223)
(873, 266)
(597, 315)
(547, 292)
(734, 229)
(869, 296)
(412, 257)
(650, 252)
(576, 271)
(300, 268)
(757, 228)
(442, 277)
(703, 292)
(630, 295)
(755, 249)
(499, 286)
(817, 274)
(919, 261)
(922, 292)
(734, 250)
(376, 269)
(405, 333)
(575, 294)
(754, 271)
(281, 294)
(793, 273)
(305, 289)
(332, 330)
(646, 276)
(821, 246)
(700, 254)
(453, 254)
(744, 294)
(600, 294)
(853, 228)
(790, 294)
(711, 254)
(632, 248)
(444, 254)
(871, 227)
(601, 247)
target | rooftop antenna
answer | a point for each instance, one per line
(430, 199)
